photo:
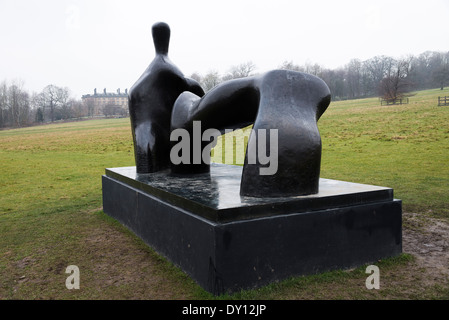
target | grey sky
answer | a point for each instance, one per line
(100, 44)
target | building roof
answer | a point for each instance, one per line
(106, 94)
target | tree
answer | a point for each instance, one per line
(335, 79)
(395, 84)
(210, 80)
(441, 72)
(38, 102)
(78, 109)
(314, 69)
(64, 107)
(56, 99)
(421, 70)
(289, 65)
(3, 104)
(39, 118)
(51, 98)
(242, 70)
(14, 104)
(111, 109)
(90, 106)
(353, 77)
(375, 69)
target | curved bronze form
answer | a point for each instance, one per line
(291, 102)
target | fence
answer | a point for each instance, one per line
(443, 101)
(393, 101)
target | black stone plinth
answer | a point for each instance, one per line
(226, 242)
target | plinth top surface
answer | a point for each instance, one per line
(216, 195)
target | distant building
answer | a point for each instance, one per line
(106, 103)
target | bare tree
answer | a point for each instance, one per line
(395, 84)
(353, 77)
(3, 104)
(335, 79)
(65, 107)
(18, 104)
(314, 69)
(50, 98)
(441, 72)
(422, 69)
(90, 106)
(242, 70)
(112, 109)
(78, 109)
(377, 68)
(39, 117)
(210, 80)
(56, 99)
(289, 65)
(39, 103)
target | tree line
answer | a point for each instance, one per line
(383, 76)
(19, 108)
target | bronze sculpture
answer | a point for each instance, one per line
(281, 102)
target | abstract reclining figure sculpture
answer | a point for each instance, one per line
(228, 238)
(287, 101)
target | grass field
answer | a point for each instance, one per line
(51, 215)
(404, 147)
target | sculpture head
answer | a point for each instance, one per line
(161, 37)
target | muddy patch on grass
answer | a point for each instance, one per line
(122, 267)
(427, 239)
(25, 262)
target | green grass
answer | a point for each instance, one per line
(405, 147)
(318, 286)
(50, 205)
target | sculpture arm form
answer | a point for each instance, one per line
(286, 101)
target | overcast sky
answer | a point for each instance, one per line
(87, 44)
